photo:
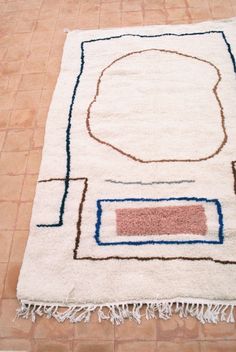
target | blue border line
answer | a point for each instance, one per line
(139, 243)
(68, 129)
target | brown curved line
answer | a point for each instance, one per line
(218, 261)
(162, 160)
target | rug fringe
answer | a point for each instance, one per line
(117, 313)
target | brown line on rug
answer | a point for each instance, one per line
(233, 163)
(63, 179)
(77, 239)
(164, 160)
(218, 261)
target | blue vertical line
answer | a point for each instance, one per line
(229, 50)
(68, 153)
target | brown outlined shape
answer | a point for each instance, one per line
(85, 179)
(162, 160)
(233, 163)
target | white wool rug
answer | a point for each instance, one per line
(135, 209)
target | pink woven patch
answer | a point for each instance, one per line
(167, 220)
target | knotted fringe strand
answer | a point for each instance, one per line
(117, 313)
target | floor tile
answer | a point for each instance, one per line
(27, 99)
(111, 6)
(9, 326)
(13, 344)
(25, 26)
(221, 12)
(51, 329)
(91, 346)
(42, 345)
(7, 99)
(46, 98)
(218, 346)
(22, 38)
(40, 51)
(132, 18)
(2, 139)
(10, 187)
(5, 240)
(18, 140)
(18, 246)
(177, 327)
(13, 271)
(46, 24)
(154, 17)
(110, 19)
(29, 15)
(98, 331)
(32, 81)
(29, 187)
(14, 81)
(4, 118)
(130, 330)
(24, 216)
(11, 67)
(197, 3)
(35, 64)
(41, 117)
(22, 118)
(8, 211)
(183, 346)
(88, 19)
(3, 272)
(154, 4)
(171, 4)
(13, 163)
(221, 330)
(178, 14)
(51, 77)
(40, 38)
(34, 162)
(131, 346)
(16, 53)
(199, 13)
(48, 13)
(134, 5)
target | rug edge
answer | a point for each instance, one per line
(205, 311)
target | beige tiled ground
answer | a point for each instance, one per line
(31, 42)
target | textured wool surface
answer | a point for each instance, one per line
(141, 118)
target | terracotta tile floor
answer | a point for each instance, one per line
(31, 43)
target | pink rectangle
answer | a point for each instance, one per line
(166, 220)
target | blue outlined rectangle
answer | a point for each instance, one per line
(216, 202)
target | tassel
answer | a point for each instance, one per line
(206, 313)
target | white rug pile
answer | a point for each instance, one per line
(136, 198)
